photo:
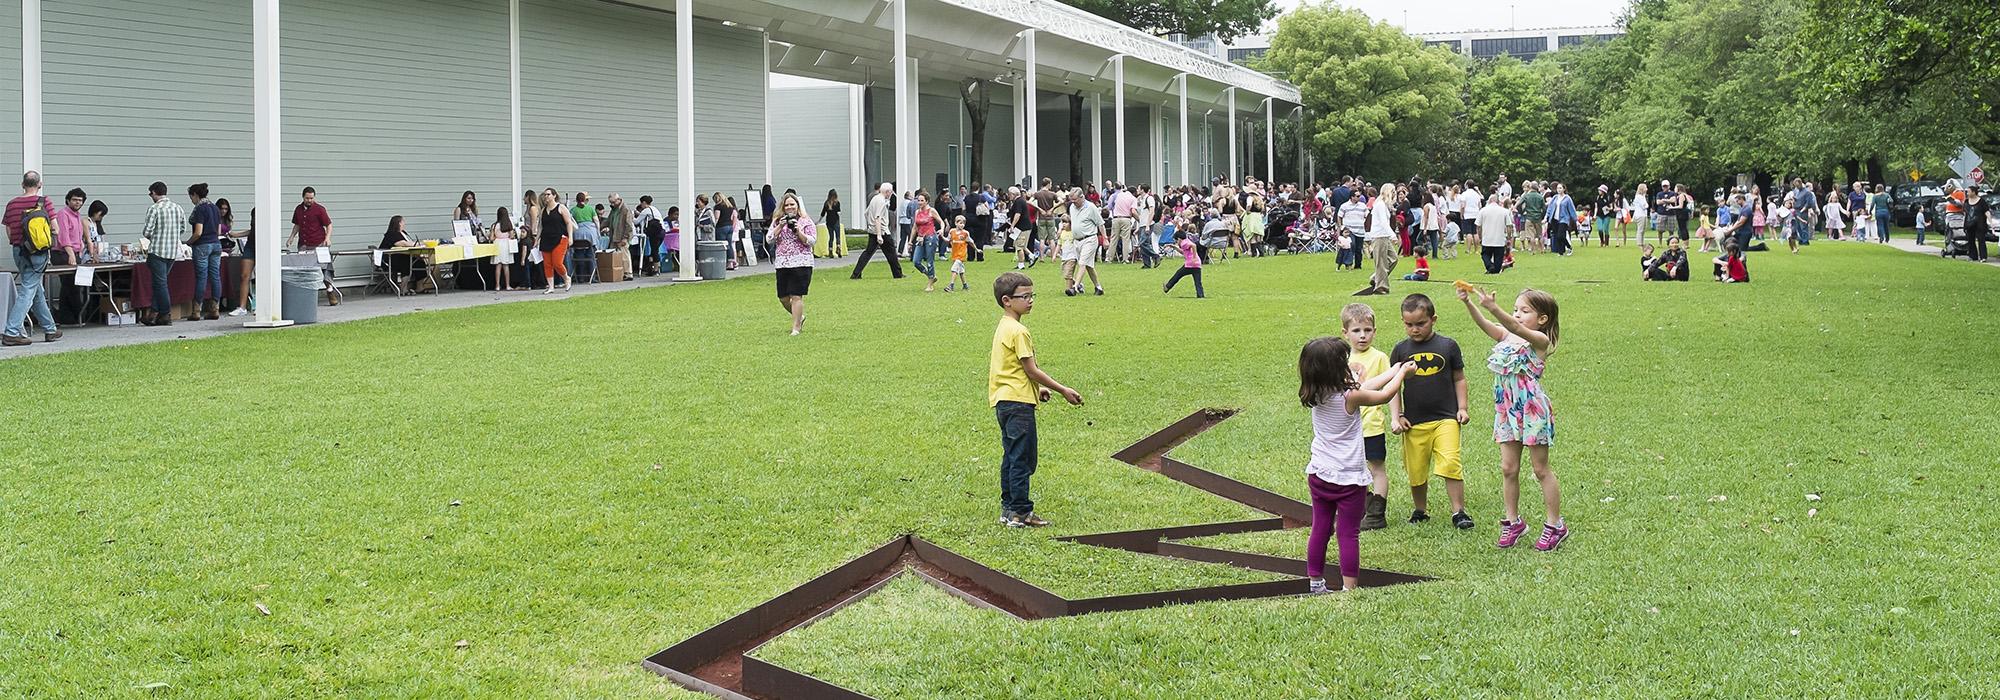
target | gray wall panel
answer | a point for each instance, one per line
(137, 93)
(393, 108)
(10, 86)
(809, 138)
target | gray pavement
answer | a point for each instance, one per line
(355, 308)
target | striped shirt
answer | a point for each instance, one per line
(166, 229)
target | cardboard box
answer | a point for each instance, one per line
(613, 265)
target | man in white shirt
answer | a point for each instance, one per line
(1494, 221)
(1468, 202)
(1381, 237)
(1086, 222)
(880, 232)
(642, 220)
(1503, 189)
(1143, 221)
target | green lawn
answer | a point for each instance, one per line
(631, 468)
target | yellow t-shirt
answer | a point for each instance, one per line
(1007, 379)
(1374, 419)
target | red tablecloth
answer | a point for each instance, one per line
(180, 282)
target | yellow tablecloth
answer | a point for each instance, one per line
(452, 252)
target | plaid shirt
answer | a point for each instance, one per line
(166, 229)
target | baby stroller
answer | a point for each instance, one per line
(1279, 229)
(1957, 239)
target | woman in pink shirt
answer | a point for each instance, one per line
(924, 230)
(791, 238)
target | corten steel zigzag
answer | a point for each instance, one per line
(718, 660)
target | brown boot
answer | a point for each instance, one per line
(211, 310)
(1374, 514)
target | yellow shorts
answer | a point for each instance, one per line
(1432, 448)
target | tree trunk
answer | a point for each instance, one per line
(1876, 172)
(978, 103)
(1852, 168)
(1076, 170)
(868, 136)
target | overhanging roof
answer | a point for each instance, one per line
(851, 41)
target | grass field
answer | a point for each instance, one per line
(569, 487)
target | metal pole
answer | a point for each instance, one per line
(764, 47)
(514, 95)
(684, 128)
(266, 158)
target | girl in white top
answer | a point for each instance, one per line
(1835, 216)
(1337, 474)
(1642, 206)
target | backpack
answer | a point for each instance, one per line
(37, 236)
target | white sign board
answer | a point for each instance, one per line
(753, 204)
(1965, 161)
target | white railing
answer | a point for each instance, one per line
(1071, 23)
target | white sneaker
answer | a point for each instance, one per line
(238, 312)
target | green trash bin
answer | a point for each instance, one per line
(711, 259)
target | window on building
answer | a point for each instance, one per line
(1524, 48)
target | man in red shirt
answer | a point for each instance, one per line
(29, 294)
(311, 227)
(310, 223)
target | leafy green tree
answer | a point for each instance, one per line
(1928, 69)
(1226, 19)
(1374, 93)
(1508, 121)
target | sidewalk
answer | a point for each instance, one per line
(1910, 245)
(355, 308)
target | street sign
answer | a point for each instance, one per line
(1965, 161)
(1978, 175)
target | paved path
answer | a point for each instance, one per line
(355, 308)
(1910, 244)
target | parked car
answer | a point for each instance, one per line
(1906, 199)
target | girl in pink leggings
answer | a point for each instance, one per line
(1337, 474)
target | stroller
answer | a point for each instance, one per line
(1279, 230)
(1957, 239)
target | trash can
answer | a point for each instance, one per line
(300, 287)
(711, 259)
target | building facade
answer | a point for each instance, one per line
(1523, 44)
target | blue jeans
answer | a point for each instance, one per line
(207, 272)
(925, 258)
(29, 294)
(1802, 231)
(163, 301)
(582, 259)
(1882, 221)
(1017, 455)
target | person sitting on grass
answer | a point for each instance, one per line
(1671, 266)
(1336, 474)
(1015, 384)
(1423, 271)
(1730, 268)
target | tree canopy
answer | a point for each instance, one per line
(1376, 96)
(1227, 19)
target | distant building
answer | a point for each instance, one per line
(1248, 48)
(1524, 44)
(1206, 44)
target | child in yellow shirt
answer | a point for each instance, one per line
(1357, 327)
(1015, 384)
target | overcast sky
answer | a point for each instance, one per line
(1465, 15)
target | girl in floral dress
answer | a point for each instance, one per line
(1521, 415)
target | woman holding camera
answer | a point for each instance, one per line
(792, 235)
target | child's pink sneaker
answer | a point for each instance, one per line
(1552, 537)
(1511, 533)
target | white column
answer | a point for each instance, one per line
(857, 154)
(900, 24)
(1029, 90)
(764, 46)
(1156, 146)
(514, 95)
(1020, 138)
(1184, 132)
(1097, 140)
(916, 150)
(1235, 176)
(1118, 114)
(684, 131)
(1301, 112)
(266, 158)
(1270, 141)
(31, 85)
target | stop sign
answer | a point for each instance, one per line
(1978, 175)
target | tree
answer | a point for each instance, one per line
(978, 100)
(1508, 120)
(1929, 68)
(1227, 19)
(1374, 93)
